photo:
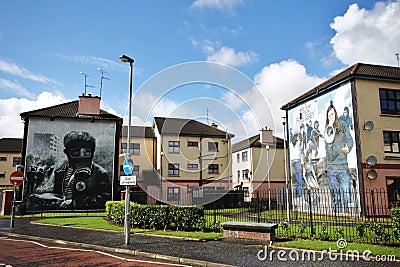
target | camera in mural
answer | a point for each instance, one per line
(69, 170)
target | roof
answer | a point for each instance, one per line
(138, 131)
(67, 110)
(254, 141)
(356, 71)
(11, 145)
(187, 127)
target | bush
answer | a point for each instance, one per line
(159, 217)
(395, 216)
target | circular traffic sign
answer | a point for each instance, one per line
(17, 178)
(128, 166)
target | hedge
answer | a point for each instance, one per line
(160, 217)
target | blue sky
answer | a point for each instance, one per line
(283, 47)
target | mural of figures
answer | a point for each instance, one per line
(67, 167)
(322, 152)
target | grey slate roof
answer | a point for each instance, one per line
(186, 127)
(138, 131)
(11, 145)
(67, 110)
(254, 141)
(358, 71)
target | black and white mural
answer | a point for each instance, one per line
(69, 164)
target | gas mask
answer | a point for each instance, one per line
(81, 160)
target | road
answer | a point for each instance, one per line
(15, 252)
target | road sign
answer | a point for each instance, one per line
(128, 166)
(17, 178)
(127, 180)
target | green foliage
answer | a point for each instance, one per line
(361, 229)
(378, 234)
(301, 230)
(159, 217)
(323, 233)
(395, 217)
(285, 228)
(339, 231)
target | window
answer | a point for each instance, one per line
(238, 175)
(173, 146)
(393, 189)
(213, 168)
(212, 146)
(3, 158)
(390, 101)
(135, 170)
(391, 142)
(193, 143)
(246, 174)
(2, 175)
(173, 194)
(135, 148)
(192, 166)
(246, 192)
(244, 156)
(16, 161)
(173, 169)
(238, 157)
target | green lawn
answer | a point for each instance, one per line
(330, 246)
(101, 223)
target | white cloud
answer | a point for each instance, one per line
(10, 109)
(370, 36)
(16, 88)
(228, 55)
(279, 83)
(96, 61)
(221, 5)
(13, 69)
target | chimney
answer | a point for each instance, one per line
(213, 125)
(266, 136)
(89, 105)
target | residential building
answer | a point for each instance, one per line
(191, 157)
(10, 157)
(348, 127)
(143, 154)
(253, 165)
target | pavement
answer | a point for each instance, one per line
(185, 251)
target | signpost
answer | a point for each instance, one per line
(16, 178)
(128, 166)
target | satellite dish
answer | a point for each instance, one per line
(371, 161)
(372, 174)
(368, 126)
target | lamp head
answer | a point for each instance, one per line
(125, 58)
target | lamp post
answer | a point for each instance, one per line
(127, 225)
(286, 169)
(269, 183)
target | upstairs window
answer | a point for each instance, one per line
(173, 147)
(391, 142)
(389, 101)
(213, 146)
(213, 168)
(238, 157)
(193, 143)
(244, 156)
(135, 148)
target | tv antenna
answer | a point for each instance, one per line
(102, 78)
(208, 123)
(86, 85)
(397, 56)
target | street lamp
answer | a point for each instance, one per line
(127, 225)
(286, 169)
(269, 183)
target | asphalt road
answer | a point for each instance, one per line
(17, 252)
(211, 251)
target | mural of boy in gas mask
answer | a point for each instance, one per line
(81, 182)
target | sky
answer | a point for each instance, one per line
(233, 62)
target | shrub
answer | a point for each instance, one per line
(395, 217)
(324, 234)
(285, 228)
(158, 217)
(302, 230)
(361, 228)
(378, 234)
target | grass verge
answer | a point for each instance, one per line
(102, 223)
(330, 246)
